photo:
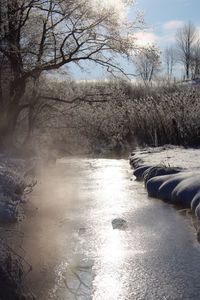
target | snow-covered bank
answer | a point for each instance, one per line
(16, 183)
(171, 156)
(171, 174)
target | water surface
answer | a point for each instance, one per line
(76, 253)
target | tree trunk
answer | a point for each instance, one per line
(187, 70)
(9, 116)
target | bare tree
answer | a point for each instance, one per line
(170, 59)
(186, 38)
(148, 63)
(195, 62)
(40, 36)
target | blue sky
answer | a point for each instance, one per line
(163, 18)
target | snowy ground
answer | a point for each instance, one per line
(16, 183)
(171, 156)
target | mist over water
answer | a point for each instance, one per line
(77, 254)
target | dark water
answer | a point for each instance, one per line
(76, 253)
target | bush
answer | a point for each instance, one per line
(118, 116)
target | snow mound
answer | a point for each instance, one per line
(166, 189)
(177, 185)
(154, 183)
(185, 191)
(139, 171)
(195, 201)
(160, 171)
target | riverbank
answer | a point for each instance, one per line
(171, 174)
(16, 183)
(169, 155)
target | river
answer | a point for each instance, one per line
(75, 252)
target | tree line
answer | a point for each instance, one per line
(124, 116)
(185, 52)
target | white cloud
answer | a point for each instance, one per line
(173, 24)
(146, 38)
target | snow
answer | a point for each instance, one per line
(166, 189)
(195, 201)
(139, 172)
(171, 156)
(181, 185)
(185, 191)
(154, 183)
(13, 184)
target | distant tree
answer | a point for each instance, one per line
(186, 38)
(148, 63)
(195, 62)
(170, 59)
(41, 36)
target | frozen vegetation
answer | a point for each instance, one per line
(117, 116)
(15, 184)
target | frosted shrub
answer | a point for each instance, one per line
(13, 267)
(120, 115)
(12, 188)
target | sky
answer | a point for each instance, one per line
(162, 18)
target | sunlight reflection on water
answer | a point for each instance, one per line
(107, 248)
(103, 196)
(111, 264)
